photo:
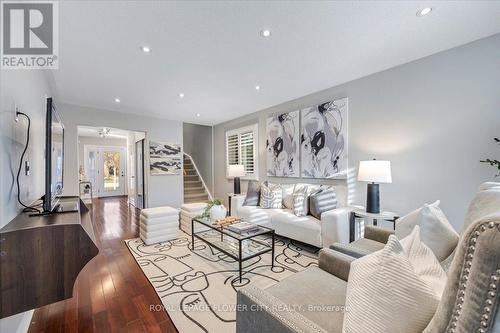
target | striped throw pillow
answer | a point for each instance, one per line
(300, 202)
(396, 289)
(321, 201)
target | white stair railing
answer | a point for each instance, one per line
(199, 175)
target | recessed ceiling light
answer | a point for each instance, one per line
(424, 11)
(181, 95)
(117, 100)
(257, 87)
(265, 33)
(146, 49)
(198, 115)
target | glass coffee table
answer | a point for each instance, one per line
(240, 247)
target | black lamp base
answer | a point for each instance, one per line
(237, 188)
(373, 198)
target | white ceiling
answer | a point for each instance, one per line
(213, 53)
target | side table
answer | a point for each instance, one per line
(358, 214)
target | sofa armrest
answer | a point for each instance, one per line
(335, 226)
(335, 263)
(236, 204)
(377, 234)
(349, 250)
(259, 311)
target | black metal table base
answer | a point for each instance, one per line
(239, 258)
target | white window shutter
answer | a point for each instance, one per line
(241, 149)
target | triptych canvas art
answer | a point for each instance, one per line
(311, 143)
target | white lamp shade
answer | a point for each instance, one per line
(236, 170)
(375, 171)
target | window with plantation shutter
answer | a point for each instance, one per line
(241, 148)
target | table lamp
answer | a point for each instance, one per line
(236, 171)
(374, 172)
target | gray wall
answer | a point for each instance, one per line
(433, 118)
(198, 144)
(160, 190)
(28, 89)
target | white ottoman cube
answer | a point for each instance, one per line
(188, 212)
(158, 224)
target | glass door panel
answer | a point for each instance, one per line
(112, 171)
(91, 168)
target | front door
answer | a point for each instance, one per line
(106, 170)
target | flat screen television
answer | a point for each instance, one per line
(54, 158)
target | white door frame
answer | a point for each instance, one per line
(99, 186)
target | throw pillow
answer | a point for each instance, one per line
(310, 187)
(322, 200)
(435, 229)
(424, 262)
(386, 292)
(271, 196)
(288, 195)
(300, 204)
(253, 194)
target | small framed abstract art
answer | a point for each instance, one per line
(165, 158)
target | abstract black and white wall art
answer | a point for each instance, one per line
(324, 140)
(282, 145)
(165, 158)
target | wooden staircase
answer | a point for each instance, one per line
(194, 191)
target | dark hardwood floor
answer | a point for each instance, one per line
(111, 294)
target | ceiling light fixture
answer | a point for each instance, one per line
(181, 95)
(265, 33)
(104, 132)
(146, 49)
(117, 100)
(424, 11)
(257, 87)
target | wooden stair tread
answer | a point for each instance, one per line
(194, 190)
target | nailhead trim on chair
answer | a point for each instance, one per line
(465, 277)
(492, 290)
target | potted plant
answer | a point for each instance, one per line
(215, 210)
(493, 163)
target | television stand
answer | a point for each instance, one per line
(40, 257)
(63, 206)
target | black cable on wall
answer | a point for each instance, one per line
(26, 207)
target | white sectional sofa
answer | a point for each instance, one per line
(333, 226)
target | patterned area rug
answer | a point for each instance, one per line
(198, 288)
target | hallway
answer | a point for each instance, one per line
(111, 294)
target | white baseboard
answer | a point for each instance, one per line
(18, 323)
(25, 323)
